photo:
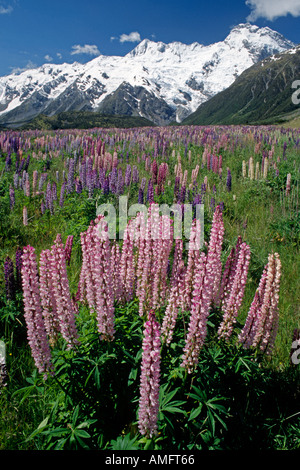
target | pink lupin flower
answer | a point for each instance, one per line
(103, 280)
(141, 237)
(27, 187)
(215, 250)
(229, 273)
(150, 378)
(86, 287)
(115, 269)
(206, 278)
(144, 262)
(152, 263)
(25, 216)
(170, 317)
(160, 258)
(36, 331)
(288, 184)
(61, 292)
(127, 262)
(177, 260)
(34, 181)
(201, 298)
(48, 301)
(247, 334)
(261, 328)
(234, 301)
(193, 256)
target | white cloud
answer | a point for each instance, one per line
(86, 49)
(272, 9)
(59, 55)
(48, 57)
(5, 11)
(28, 66)
(132, 37)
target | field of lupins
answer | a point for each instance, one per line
(150, 341)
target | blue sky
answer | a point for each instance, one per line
(33, 32)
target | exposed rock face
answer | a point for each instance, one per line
(161, 82)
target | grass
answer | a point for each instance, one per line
(258, 210)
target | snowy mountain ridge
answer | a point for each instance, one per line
(158, 81)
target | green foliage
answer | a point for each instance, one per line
(85, 120)
(237, 399)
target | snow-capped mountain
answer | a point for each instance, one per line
(161, 82)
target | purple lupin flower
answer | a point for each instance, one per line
(154, 170)
(228, 181)
(113, 178)
(135, 174)
(150, 192)
(106, 186)
(71, 172)
(182, 195)
(8, 162)
(128, 175)
(27, 162)
(48, 196)
(141, 196)
(78, 186)
(19, 253)
(42, 180)
(43, 208)
(10, 282)
(143, 184)
(54, 191)
(150, 378)
(120, 183)
(82, 174)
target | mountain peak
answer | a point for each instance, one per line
(254, 33)
(146, 45)
(169, 80)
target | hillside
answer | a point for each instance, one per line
(85, 120)
(262, 94)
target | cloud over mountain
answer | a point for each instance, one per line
(272, 9)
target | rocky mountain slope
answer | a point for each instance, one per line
(157, 81)
(268, 92)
